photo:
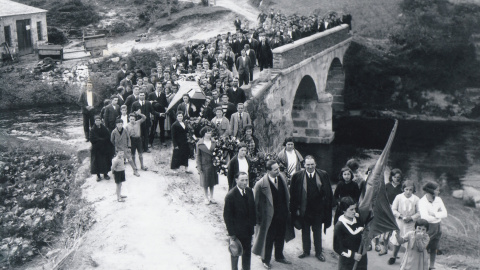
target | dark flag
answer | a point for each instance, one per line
(373, 204)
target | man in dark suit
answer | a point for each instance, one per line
(159, 104)
(271, 200)
(253, 44)
(265, 55)
(127, 84)
(239, 216)
(243, 68)
(235, 94)
(146, 109)
(250, 53)
(296, 34)
(228, 108)
(188, 108)
(311, 204)
(120, 92)
(132, 98)
(112, 112)
(237, 23)
(122, 73)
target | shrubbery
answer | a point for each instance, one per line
(72, 13)
(56, 36)
(37, 190)
(428, 50)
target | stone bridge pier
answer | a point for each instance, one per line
(305, 90)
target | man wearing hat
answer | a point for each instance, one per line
(239, 216)
(311, 204)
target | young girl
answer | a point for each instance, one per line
(118, 171)
(345, 187)
(405, 209)
(392, 188)
(416, 255)
(347, 237)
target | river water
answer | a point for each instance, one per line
(447, 152)
(443, 151)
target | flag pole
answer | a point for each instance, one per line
(370, 202)
(361, 249)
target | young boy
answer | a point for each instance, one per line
(121, 141)
(118, 171)
(124, 115)
(134, 130)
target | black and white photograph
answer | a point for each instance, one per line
(239, 134)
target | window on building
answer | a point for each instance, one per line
(39, 31)
(8, 35)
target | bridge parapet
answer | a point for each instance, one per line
(294, 53)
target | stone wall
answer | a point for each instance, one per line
(279, 112)
(291, 54)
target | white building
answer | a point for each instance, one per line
(22, 27)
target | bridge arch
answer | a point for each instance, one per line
(335, 85)
(304, 88)
(310, 115)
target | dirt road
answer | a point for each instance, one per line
(164, 224)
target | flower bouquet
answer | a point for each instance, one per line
(259, 161)
(225, 147)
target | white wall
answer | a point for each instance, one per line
(34, 18)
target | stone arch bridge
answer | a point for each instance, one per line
(303, 90)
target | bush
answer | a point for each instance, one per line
(121, 27)
(56, 36)
(35, 191)
(143, 59)
(72, 13)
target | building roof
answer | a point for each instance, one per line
(11, 8)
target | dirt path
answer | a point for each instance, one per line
(242, 7)
(196, 29)
(164, 225)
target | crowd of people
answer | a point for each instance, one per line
(292, 193)
(277, 203)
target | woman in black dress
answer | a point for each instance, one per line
(347, 237)
(181, 151)
(102, 150)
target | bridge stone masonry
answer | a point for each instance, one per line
(299, 96)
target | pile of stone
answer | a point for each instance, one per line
(469, 195)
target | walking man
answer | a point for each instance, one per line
(311, 205)
(239, 216)
(271, 200)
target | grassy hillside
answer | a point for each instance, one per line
(373, 18)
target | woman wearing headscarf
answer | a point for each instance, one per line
(433, 210)
(102, 150)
